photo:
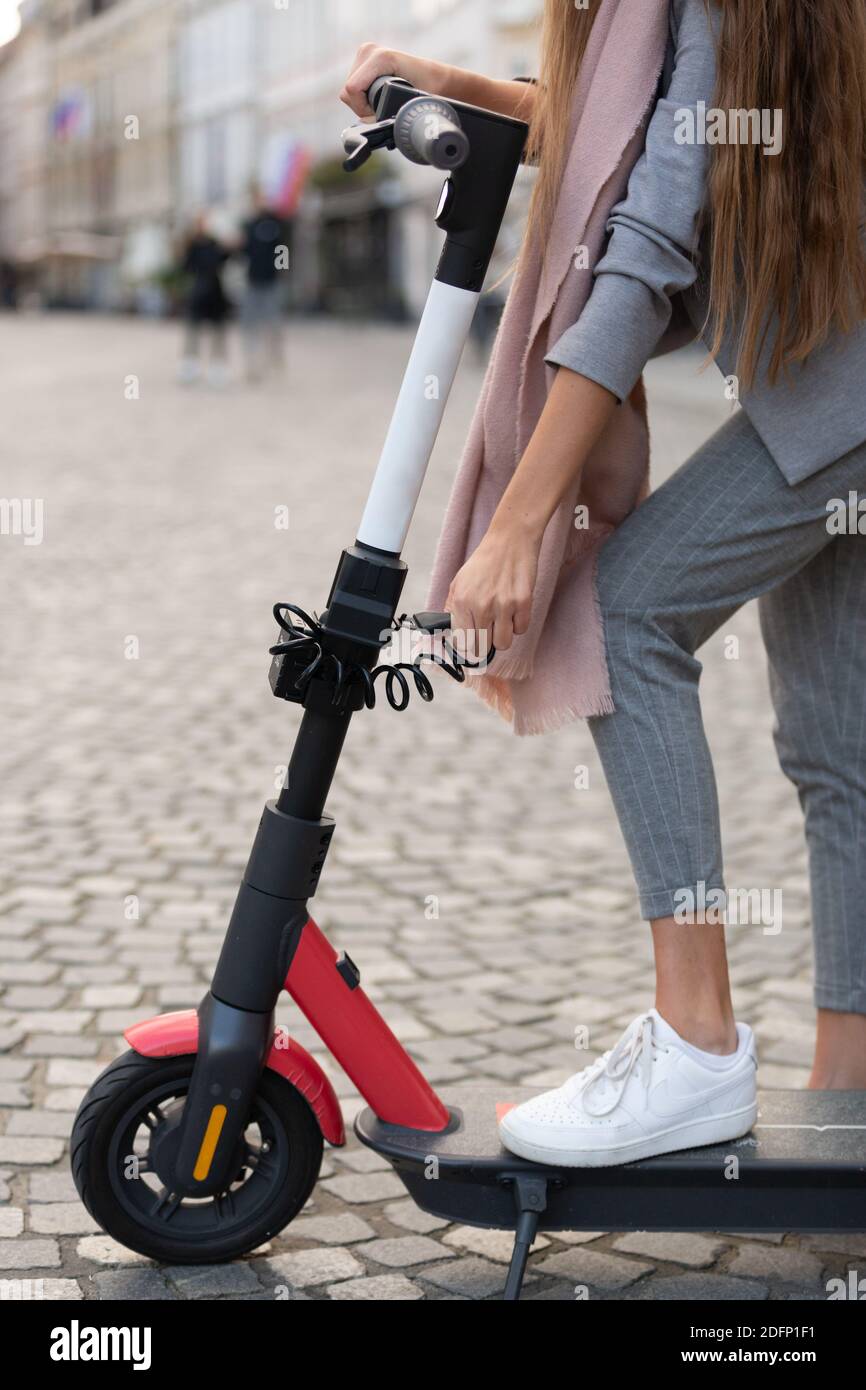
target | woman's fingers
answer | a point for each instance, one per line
(511, 620)
(490, 598)
(522, 615)
(461, 619)
(503, 632)
(370, 62)
(475, 629)
(464, 621)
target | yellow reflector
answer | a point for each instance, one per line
(209, 1143)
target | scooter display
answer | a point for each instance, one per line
(206, 1138)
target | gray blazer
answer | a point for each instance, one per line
(651, 292)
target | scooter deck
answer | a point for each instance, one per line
(802, 1168)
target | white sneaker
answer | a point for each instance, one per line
(188, 371)
(650, 1094)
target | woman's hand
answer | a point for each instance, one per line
(492, 593)
(440, 79)
(371, 62)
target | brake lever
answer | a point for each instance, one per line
(359, 142)
(441, 622)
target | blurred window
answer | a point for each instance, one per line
(428, 9)
(103, 101)
(215, 160)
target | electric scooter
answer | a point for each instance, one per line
(206, 1138)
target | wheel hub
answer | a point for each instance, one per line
(164, 1148)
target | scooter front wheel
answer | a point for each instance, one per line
(120, 1120)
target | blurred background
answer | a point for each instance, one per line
(122, 122)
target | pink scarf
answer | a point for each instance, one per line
(557, 670)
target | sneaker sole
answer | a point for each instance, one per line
(716, 1129)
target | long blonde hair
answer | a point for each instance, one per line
(785, 231)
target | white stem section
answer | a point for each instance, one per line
(417, 415)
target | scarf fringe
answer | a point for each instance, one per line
(595, 702)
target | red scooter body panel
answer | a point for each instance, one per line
(172, 1035)
(359, 1038)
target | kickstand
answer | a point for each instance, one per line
(530, 1195)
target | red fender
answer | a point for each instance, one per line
(172, 1035)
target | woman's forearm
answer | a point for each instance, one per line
(494, 94)
(492, 592)
(372, 61)
(574, 416)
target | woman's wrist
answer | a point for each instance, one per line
(509, 98)
(426, 74)
(513, 526)
(460, 84)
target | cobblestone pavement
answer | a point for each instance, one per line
(146, 776)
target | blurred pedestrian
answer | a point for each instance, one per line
(8, 284)
(207, 304)
(265, 246)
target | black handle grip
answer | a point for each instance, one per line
(376, 86)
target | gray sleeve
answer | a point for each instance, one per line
(652, 246)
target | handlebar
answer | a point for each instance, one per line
(479, 150)
(426, 130)
(376, 86)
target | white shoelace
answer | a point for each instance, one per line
(634, 1049)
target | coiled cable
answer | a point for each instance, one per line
(306, 635)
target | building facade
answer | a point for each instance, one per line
(369, 244)
(24, 106)
(219, 57)
(122, 120)
(91, 201)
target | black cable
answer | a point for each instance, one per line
(312, 636)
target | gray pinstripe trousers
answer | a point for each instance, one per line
(724, 529)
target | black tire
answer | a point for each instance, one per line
(277, 1177)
